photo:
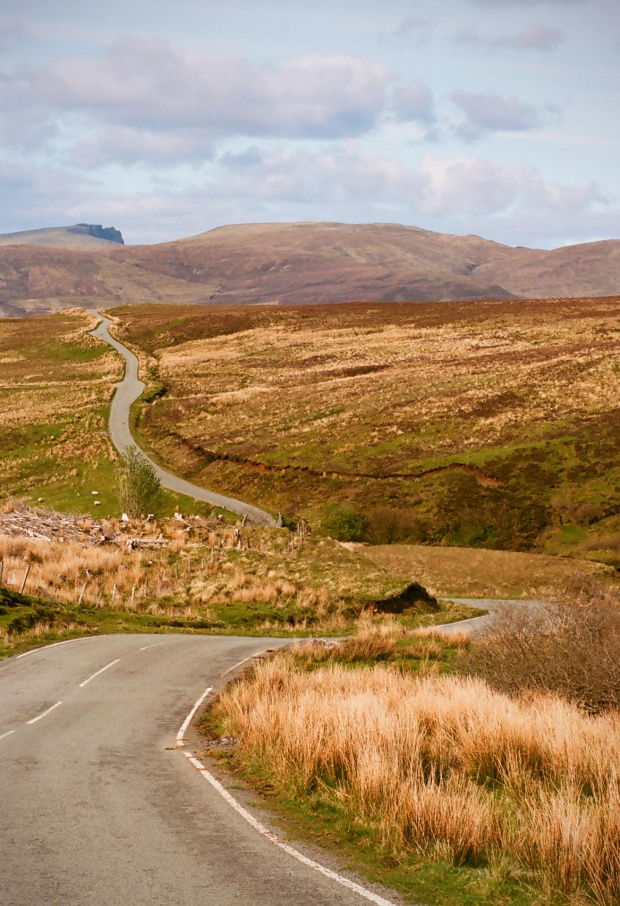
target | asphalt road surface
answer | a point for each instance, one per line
(127, 392)
(481, 625)
(99, 808)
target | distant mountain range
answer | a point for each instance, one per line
(290, 263)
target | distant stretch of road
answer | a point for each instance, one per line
(100, 805)
(127, 392)
(482, 625)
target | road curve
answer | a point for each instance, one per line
(100, 808)
(484, 624)
(127, 392)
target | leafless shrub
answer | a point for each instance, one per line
(570, 646)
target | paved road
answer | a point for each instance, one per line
(96, 809)
(480, 625)
(127, 392)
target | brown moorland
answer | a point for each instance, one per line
(487, 424)
(56, 383)
(293, 263)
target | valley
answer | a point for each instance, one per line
(489, 424)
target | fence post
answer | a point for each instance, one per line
(82, 594)
(21, 590)
(133, 594)
(113, 594)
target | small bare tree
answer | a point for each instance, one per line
(138, 486)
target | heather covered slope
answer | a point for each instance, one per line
(293, 263)
(35, 280)
(326, 262)
(487, 423)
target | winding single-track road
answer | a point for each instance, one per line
(101, 805)
(127, 392)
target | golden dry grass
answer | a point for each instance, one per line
(479, 573)
(443, 767)
(248, 578)
(54, 394)
(515, 401)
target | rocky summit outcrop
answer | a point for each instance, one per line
(99, 232)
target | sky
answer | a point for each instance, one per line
(166, 119)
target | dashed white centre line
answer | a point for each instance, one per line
(92, 677)
(45, 713)
(8, 733)
(156, 645)
(187, 721)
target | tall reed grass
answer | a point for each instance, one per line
(444, 767)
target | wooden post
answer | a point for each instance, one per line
(146, 586)
(176, 571)
(82, 594)
(133, 594)
(113, 594)
(21, 590)
(212, 554)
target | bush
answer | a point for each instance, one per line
(138, 485)
(388, 525)
(342, 522)
(570, 647)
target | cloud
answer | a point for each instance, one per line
(413, 101)
(413, 28)
(437, 186)
(124, 145)
(527, 3)
(11, 29)
(475, 185)
(453, 194)
(148, 85)
(493, 113)
(533, 37)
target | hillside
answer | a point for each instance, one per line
(326, 262)
(489, 424)
(80, 235)
(291, 263)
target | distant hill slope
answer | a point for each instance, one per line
(291, 263)
(81, 235)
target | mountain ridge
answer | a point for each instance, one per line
(291, 263)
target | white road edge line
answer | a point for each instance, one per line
(8, 733)
(83, 638)
(291, 851)
(239, 663)
(107, 667)
(156, 645)
(53, 708)
(180, 740)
